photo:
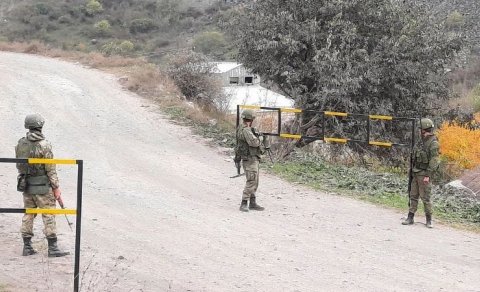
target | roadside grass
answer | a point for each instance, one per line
(380, 188)
(3, 288)
(216, 126)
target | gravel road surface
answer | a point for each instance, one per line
(161, 213)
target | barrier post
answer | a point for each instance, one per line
(76, 273)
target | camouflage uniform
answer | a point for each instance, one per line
(40, 195)
(249, 149)
(425, 164)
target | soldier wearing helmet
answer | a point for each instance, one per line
(424, 165)
(39, 184)
(249, 149)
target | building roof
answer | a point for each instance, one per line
(255, 95)
(222, 67)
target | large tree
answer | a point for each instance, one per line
(358, 56)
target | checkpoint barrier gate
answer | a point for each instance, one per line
(77, 211)
(323, 115)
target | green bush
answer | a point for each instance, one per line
(455, 20)
(118, 48)
(126, 47)
(102, 28)
(93, 7)
(142, 25)
(43, 9)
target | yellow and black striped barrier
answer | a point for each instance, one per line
(77, 212)
(39, 211)
(323, 114)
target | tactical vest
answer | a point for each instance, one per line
(423, 155)
(37, 182)
(243, 149)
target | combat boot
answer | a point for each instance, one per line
(409, 220)
(243, 206)
(429, 221)
(27, 247)
(254, 205)
(53, 250)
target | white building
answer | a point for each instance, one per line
(243, 87)
(232, 73)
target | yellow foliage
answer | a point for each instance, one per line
(460, 144)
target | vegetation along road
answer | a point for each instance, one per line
(161, 213)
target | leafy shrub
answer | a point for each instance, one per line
(118, 48)
(460, 144)
(455, 20)
(93, 7)
(43, 9)
(102, 28)
(192, 73)
(142, 25)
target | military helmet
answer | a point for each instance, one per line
(34, 121)
(426, 124)
(248, 114)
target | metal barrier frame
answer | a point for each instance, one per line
(324, 114)
(78, 211)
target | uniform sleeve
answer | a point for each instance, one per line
(21, 167)
(433, 154)
(51, 169)
(250, 138)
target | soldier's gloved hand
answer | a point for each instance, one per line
(58, 196)
(57, 193)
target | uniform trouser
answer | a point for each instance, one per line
(46, 201)
(251, 168)
(422, 190)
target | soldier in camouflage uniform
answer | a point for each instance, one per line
(424, 166)
(41, 185)
(249, 150)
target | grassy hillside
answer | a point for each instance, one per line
(127, 27)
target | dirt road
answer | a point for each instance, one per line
(161, 214)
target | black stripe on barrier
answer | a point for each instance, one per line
(12, 210)
(14, 160)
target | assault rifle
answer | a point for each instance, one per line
(60, 202)
(412, 153)
(410, 177)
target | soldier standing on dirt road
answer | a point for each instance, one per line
(39, 184)
(424, 166)
(249, 149)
